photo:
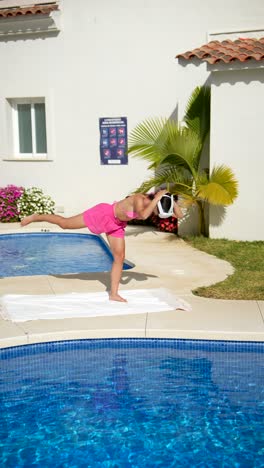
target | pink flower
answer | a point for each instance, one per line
(8, 203)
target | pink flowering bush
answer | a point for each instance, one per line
(166, 225)
(9, 197)
(18, 202)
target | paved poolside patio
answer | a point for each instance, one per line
(161, 260)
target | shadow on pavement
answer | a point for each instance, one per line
(104, 277)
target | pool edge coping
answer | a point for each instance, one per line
(28, 339)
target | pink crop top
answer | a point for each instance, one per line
(131, 214)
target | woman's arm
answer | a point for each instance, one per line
(145, 211)
(177, 212)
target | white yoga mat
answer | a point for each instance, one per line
(20, 308)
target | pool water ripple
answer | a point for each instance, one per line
(132, 403)
(53, 253)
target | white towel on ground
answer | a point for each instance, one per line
(20, 308)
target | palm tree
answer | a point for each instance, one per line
(174, 150)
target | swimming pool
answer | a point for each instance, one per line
(53, 253)
(132, 403)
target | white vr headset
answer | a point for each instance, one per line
(165, 206)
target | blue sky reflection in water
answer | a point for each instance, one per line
(132, 403)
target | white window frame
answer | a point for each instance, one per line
(14, 102)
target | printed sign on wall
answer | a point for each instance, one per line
(113, 140)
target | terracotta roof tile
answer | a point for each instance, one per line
(227, 51)
(31, 10)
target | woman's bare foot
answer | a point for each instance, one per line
(27, 220)
(116, 297)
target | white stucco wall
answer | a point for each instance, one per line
(111, 59)
(237, 141)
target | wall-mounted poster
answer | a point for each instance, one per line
(113, 140)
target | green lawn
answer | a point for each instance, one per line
(247, 258)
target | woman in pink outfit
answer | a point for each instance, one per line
(110, 219)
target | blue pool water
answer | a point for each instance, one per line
(132, 403)
(53, 253)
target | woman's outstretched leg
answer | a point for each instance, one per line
(74, 222)
(117, 245)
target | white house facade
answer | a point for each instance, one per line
(237, 141)
(74, 69)
(235, 61)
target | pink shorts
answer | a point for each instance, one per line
(101, 219)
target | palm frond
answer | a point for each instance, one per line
(197, 113)
(148, 140)
(222, 187)
(155, 140)
(203, 177)
(178, 181)
(183, 149)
